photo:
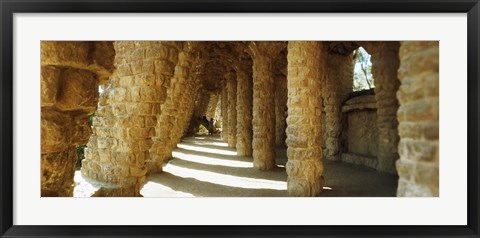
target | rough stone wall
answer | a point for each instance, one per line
(176, 110)
(231, 78)
(263, 144)
(244, 107)
(224, 113)
(281, 95)
(362, 132)
(385, 63)
(126, 117)
(337, 81)
(418, 119)
(70, 75)
(212, 105)
(304, 137)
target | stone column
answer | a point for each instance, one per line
(244, 107)
(218, 112)
(176, 110)
(337, 81)
(418, 119)
(263, 145)
(280, 107)
(385, 63)
(70, 74)
(125, 121)
(232, 108)
(304, 137)
(201, 105)
(212, 105)
(224, 113)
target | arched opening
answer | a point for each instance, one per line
(362, 70)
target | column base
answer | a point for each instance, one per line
(304, 188)
(264, 164)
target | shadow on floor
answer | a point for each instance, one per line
(205, 189)
(199, 171)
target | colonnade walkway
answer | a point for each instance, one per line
(204, 166)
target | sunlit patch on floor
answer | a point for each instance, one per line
(83, 188)
(206, 150)
(227, 180)
(211, 161)
(154, 189)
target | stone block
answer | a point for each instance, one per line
(50, 78)
(79, 90)
(417, 150)
(57, 171)
(71, 53)
(55, 131)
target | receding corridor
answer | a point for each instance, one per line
(205, 166)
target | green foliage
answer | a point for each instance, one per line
(362, 75)
(90, 118)
(202, 129)
(80, 156)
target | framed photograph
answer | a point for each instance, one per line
(242, 118)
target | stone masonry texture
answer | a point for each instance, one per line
(132, 102)
(70, 75)
(126, 117)
(263, 145)
(385, 63)
(175, 111)
(244, 107)
(418, 120)
(304, 137)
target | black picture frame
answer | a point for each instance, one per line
(9, 7)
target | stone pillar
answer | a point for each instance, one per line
(176, 111)
(280, 108)
(224, 113)
(218, 112)
(201, 104)
(244, 107)
(385, 63)
(212, 105)
(418, 119)
(304, 137)
(232, 108)
(70, 75)
(337, 82)
(263, 145)
(125, 121)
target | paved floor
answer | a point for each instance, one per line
(203, 166)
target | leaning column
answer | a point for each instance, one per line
(304, 137)
(125, 121)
